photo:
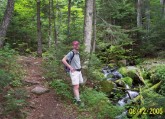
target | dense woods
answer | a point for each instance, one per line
(127, 36)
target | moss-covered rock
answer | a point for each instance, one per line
(120, 83)
(134, 73)
(107, 86)
(127, 80)
(122, 63)
(123, 71)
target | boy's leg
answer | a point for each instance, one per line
(76, 92)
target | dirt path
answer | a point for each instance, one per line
(47, 105)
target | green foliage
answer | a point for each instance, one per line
(2, 8)
(11, 69)
(153, 99)
(16, 83)
(120, 11)
(11, 73)
(107, 86)
(94, 62)
(21, 33)
(62, 88)
(51, 64)
(6, 57)
(94, 72)
(159, 75)
(123, 71)
(23, 25)
(128, 80)
(15, 101)
(5, 79)
(113, 53)
(153, 41)
(99, 104)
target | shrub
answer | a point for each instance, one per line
(159, 75)
(123, 71)
(128, 80)
(99, 104)
(5, 79)
(52, 65)
(15, 101)
(61, 88)
(10, 66)
(94, 68)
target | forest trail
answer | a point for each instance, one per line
(46, 105)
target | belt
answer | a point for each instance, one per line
(78, 69)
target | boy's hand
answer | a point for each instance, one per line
(72, 69)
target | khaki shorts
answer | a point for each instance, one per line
(76, 77)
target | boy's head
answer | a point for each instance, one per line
(75, 45)
(75, 42)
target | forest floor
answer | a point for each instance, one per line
(47, 105)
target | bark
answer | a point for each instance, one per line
(6, 21)
(162, 2)
(94, 26)
(69, 17)
(140, 97)
(50, 25)
(54, 25)
(154, 87)
(147, 15)
(139, 13)
(39, 50)
(88, 25)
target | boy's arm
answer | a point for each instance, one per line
(68, 65)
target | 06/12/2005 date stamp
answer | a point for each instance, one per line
(143, 110)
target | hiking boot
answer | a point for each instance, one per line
(78, 102)
(74, 101)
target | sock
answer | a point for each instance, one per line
(77, 98)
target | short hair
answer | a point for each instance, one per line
(75, 42)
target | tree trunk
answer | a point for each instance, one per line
(6, 21)
(50, 25)
(39, 50)
(154, 87)
(139, 13)
(147, 12)
(94, 26)
(88, 25)
(69, 17)
(54, 24)
(162, 2)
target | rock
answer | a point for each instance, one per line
(32, 82)
(122, 62)
(107, 86)
(1, 109)
(39, 90)
(134, 73)
(127, 80)
(32, 105)
(120, 83)
(41, 116)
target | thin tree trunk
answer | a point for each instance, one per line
(139, 13)
(88, 25)
(147, 12)
(162, 2)
(39, 50)
(6, 21)
(54, 24)
(94, 26)
(50, 25)
(69, 17)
